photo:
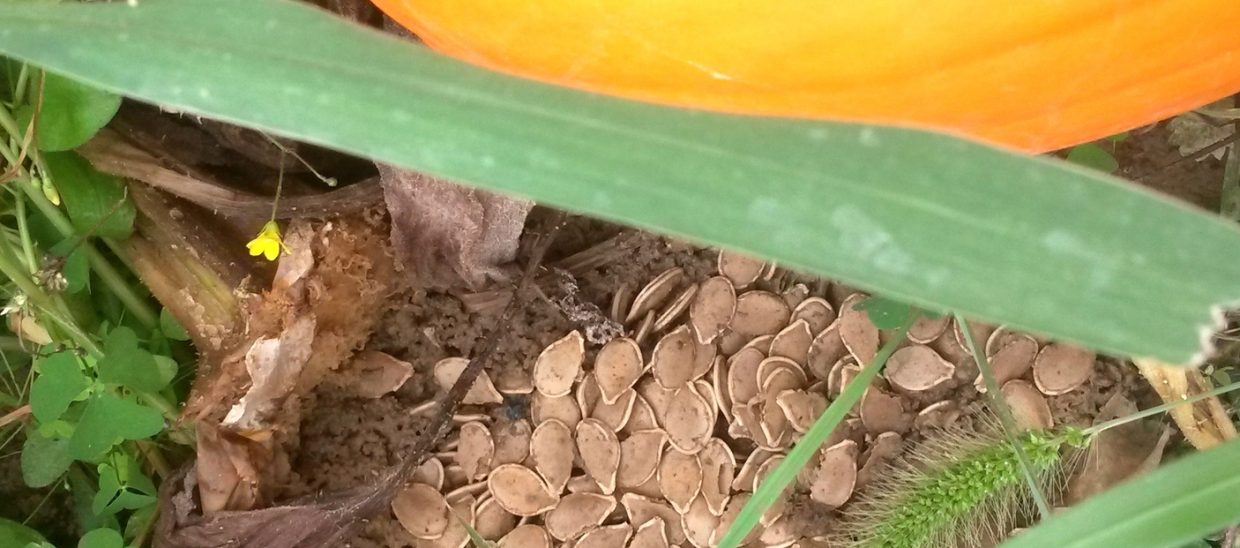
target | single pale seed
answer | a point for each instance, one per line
(605, 536)
(1000, 338)
(430, 472)
(743, 375)
(793, 342)
(620, 302)
(512, 441)
(699, 523)
(526, 536)
(675, 309)
(740, 269)
(688, 422)
(639, 457)
(801, 408)
(374, 374)
(655, 292)
(883, 412)
(652, 534)
(937, 415)
(781, 534)
(793, 296)
(918, 368)
(513, 381)
(583, 484)
(680, 479)
(491, 520)
(520, 491)
(759, 313)
(712, 308)
(617, 414)
(617, 368)
(826, 350)
(1029, 407)
(926, 328)
(455, 535)
(704, 356)
(577, 513)
(673, 360)
(644, 329)
(718, 471)
(816, 312)
(563, 409)
(558, 366)
(1061, 368)
(1010, 361)
(656, 396)
(885, 447)
(641, 418)
(641, 509)
(859, 335)
(421, 510)
(600, 452)
(745, 476)
(836, 474)
(587, 395)
(476, 450)
(447, 370)
(778, 374)
(981, 332)
(551, 450)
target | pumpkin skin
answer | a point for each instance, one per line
(1036, 75)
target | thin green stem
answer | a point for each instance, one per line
(23, 229)
(1103, 427)
(1005, 416)
(19, 89)
(108, 274)
(773, 486)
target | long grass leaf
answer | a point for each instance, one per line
(1177, 503)
(925, 218)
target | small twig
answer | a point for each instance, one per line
(109, 153)
(15, 415)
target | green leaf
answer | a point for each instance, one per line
(59, 383)
(1175, 504)
(140, 521)
(170, 327)
(76, 269)
(15, 534)
(107, 421)
(71, 114)
(885, 313)
(96, 202)
(83, 491)
(122, 486)
(43, 459)
(937, 222)
(127, 364)
(1093, 156)
(102, 538)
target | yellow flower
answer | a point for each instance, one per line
(267, 243)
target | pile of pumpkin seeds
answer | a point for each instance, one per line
(659, 437)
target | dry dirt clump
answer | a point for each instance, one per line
(658, 437)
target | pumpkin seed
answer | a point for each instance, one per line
(689, 421)
(551, 452)
(740, 269)
(651, 534)
(1061, 368)
(699, 523)
(675, 308)
(577, 513)
(421, 510)
(617, 368)
(558, 365)
(563, 409)
(641, 509)
(447, 370)
(639, 457)
(857, 332)
(759, 313)
(475, 451)
(655, 292)
(520, 491)
(712, 309)
(674, 358)
(680, 479)
(718, 471)
(1029, 407)
(600, 452)
(617, 414)
(526, 536)
(605, 536)
(801, 408)
(793, 342)
(512, 441)
(836, 474)
(816, 312)
(918, 368)
(491, 520)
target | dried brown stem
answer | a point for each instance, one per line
(110, 153)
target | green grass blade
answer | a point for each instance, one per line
(931, 220)
(1169, 507)
(799, 456)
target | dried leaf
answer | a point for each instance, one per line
(446, 233)
(274, 366)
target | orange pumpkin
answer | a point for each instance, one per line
(1033, 75)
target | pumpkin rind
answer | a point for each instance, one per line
(1036, 75)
